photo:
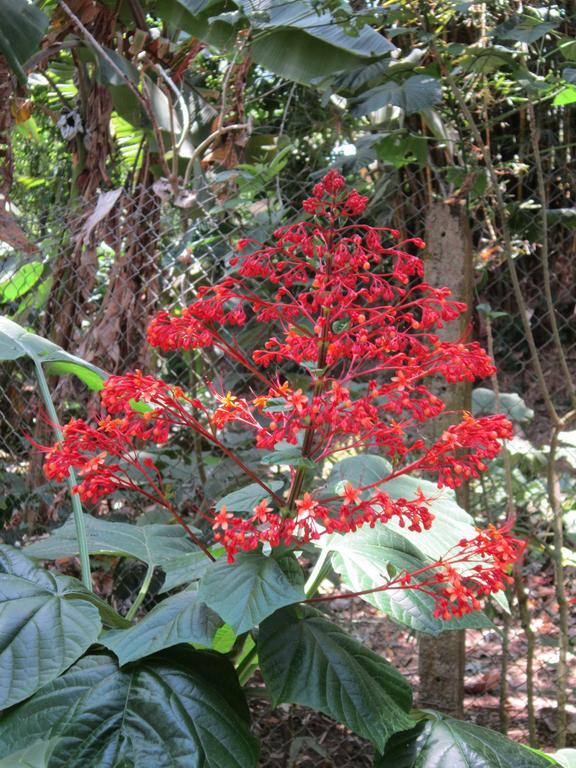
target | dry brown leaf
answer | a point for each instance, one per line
(12, 233)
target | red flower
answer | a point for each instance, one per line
(346, 304)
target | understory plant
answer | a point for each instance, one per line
(346, 488)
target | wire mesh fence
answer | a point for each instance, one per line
(109, 264)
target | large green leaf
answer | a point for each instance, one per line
(152, 544)
(448, 742)
(245, 499)
(565, 757)
(487, 59)
(402, 149)
(186, 568)
(181, 618)
(251, 588)
(358, 470)
(525, 29)
(45, 625)
(294, 41)
(181, 711)
(15, 281)
(16, 342)
(308, 660)
(207, 20)
(22, 28)
(34, 756)
(414, 94)
(451, 523)
(509, 403)
(363, 560)
(290, 39)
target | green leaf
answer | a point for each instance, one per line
(566, 96)
(290, 456)
(564, 216)
(567, 48)
(23, 25)
(400, 150)
(248, 590)
(186, 568)
(245, 499)
(224, 639)
(485, 60)
(412, 95)
(36, 755)
(451, 522)
(295, 42)
(289, 39)
(448, 742)
(401, 749)
(362, 560)
(358, 470)
(204, 19)
(510, 403)
(524, 29)
(181, 711)
(181, 618)
(17, 281)
(152, 544)
(308, 660)
(16, 342)
(565, 757)
(93, 380)
(44, 627)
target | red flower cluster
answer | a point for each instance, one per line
(348, 304)
(313, 517)
(478, 568)
(474, 569)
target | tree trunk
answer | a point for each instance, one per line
(448, 262)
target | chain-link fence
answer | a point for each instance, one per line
(108, 265)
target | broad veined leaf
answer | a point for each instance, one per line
(451, 523)
(16, 342)
(359, 471)
(45, 625)
(447, 742)
(185, 710)
(290, 39)
(251, 588)
(36, 755)
(565, 96)
(181, 618)
(93, 380)
(294, 41)
(525, 29)
(510, 403)
(370, 557)
(208, 20)
(565, 757)
(245, 499)
(23, 25)
(400, 150)
(187, 568)
(484, 60)
(289, 456)
(152, 544)
(411, 95)
(17, 280)
(307, 660)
